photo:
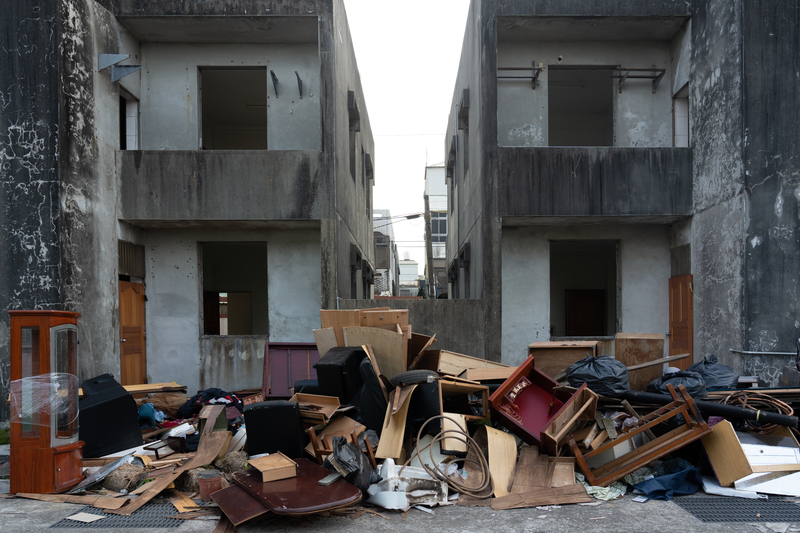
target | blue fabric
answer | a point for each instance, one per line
(680, 482)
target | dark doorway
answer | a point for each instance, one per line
(585, 313)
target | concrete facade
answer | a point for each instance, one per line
(70, 195)
(698, 176)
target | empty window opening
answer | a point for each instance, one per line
(680, 118)
(234, 109)
(354, 126)
(583, 288)
(128, 122)
(235, 289)
(580, 106)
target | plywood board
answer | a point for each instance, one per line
(502, 459)
(325, 339)
(338, 320)
(417, 345)
(453, 422)
(455, 363)
(552, 358)
(181, 502)
(386, 345)
(487, 374)
(394, 427)
(99, 502)
(637, 348)
(371, 318)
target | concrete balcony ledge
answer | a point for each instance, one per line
(595, 182)
(222, 185)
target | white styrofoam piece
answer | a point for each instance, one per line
(390, 500)
(712, 486)
(788, 485)
(184, 429)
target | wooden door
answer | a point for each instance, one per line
(133, 362)
(681, 319)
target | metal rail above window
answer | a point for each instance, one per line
(534, 77)
(623, 74)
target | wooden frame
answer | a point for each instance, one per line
(448, 389)
(694, 428)
(582, 407)
(552, 358)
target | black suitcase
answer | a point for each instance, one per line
(107, 417)
(337, 372)
(274, 426)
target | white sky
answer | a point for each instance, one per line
(408, 57)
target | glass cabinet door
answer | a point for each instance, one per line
(30, 338)
(64, 382)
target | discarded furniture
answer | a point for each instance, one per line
(109, 417)
(45, 450)
(694, 428)
(457, 394)
(528, 402)
(299, 495)
(315, 408)
(581, 408)
(637, 348)
(285, 363)
(274, 426)
(552, 358)
(274, 467)
(338, 374)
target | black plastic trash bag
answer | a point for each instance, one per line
(693, 382)
(603, 374)
(716, 375)
(348, 460)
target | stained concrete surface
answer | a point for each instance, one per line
(23, 516)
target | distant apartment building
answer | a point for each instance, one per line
(387, 268)
(409, 276)
(436, 231)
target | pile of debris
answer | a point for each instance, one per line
(392, 422)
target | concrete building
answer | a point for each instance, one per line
(646, 153)
(409, 276)
(436, 230)
(387, 267)
(236, 163)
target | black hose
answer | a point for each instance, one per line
(711, 408)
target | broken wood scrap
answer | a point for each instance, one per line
(465, 500)
(575, 493)
(180, 501)
(196, 514)
(100, 502)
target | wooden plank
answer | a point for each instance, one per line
(100, 502)
(583, 407)
(238, 505)
(338, 320)
(502, 458)
(453, 421)
(376, 368)
(371, 318)
(564, 472)
(325, 339)
(599, 440)
(575, 493)
(656, 362)
(180, 501)
(487, 374)
(455, 363)
(387, 347)
(636, 348)
(524, 478)
(394, 428)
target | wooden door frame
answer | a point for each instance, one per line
(120, 286)
(683, 364)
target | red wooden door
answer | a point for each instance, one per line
(681, 319)
(133, 361)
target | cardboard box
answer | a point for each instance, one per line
(274, 466)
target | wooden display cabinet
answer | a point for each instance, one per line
(46, 455)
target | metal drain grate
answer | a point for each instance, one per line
(740, 510)
(149, 516)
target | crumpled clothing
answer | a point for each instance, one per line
(637, 476)
(681, 482)
(612, 492)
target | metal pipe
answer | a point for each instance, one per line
(711, 408)
(762, 353)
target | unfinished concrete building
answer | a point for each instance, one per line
(629, 166)
(225, 185)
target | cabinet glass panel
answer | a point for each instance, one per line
(64, 361)
(30, 367)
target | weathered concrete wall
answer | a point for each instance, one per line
(772, 175)
(594, 181)
(29, 171)
(170, 105)
(681, 58)
(224, 185)
(176, 348)
(459, 325)
(353, 193)
(641, 118)
(644, 271)
(719, 205)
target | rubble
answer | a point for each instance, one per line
(404, 425)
